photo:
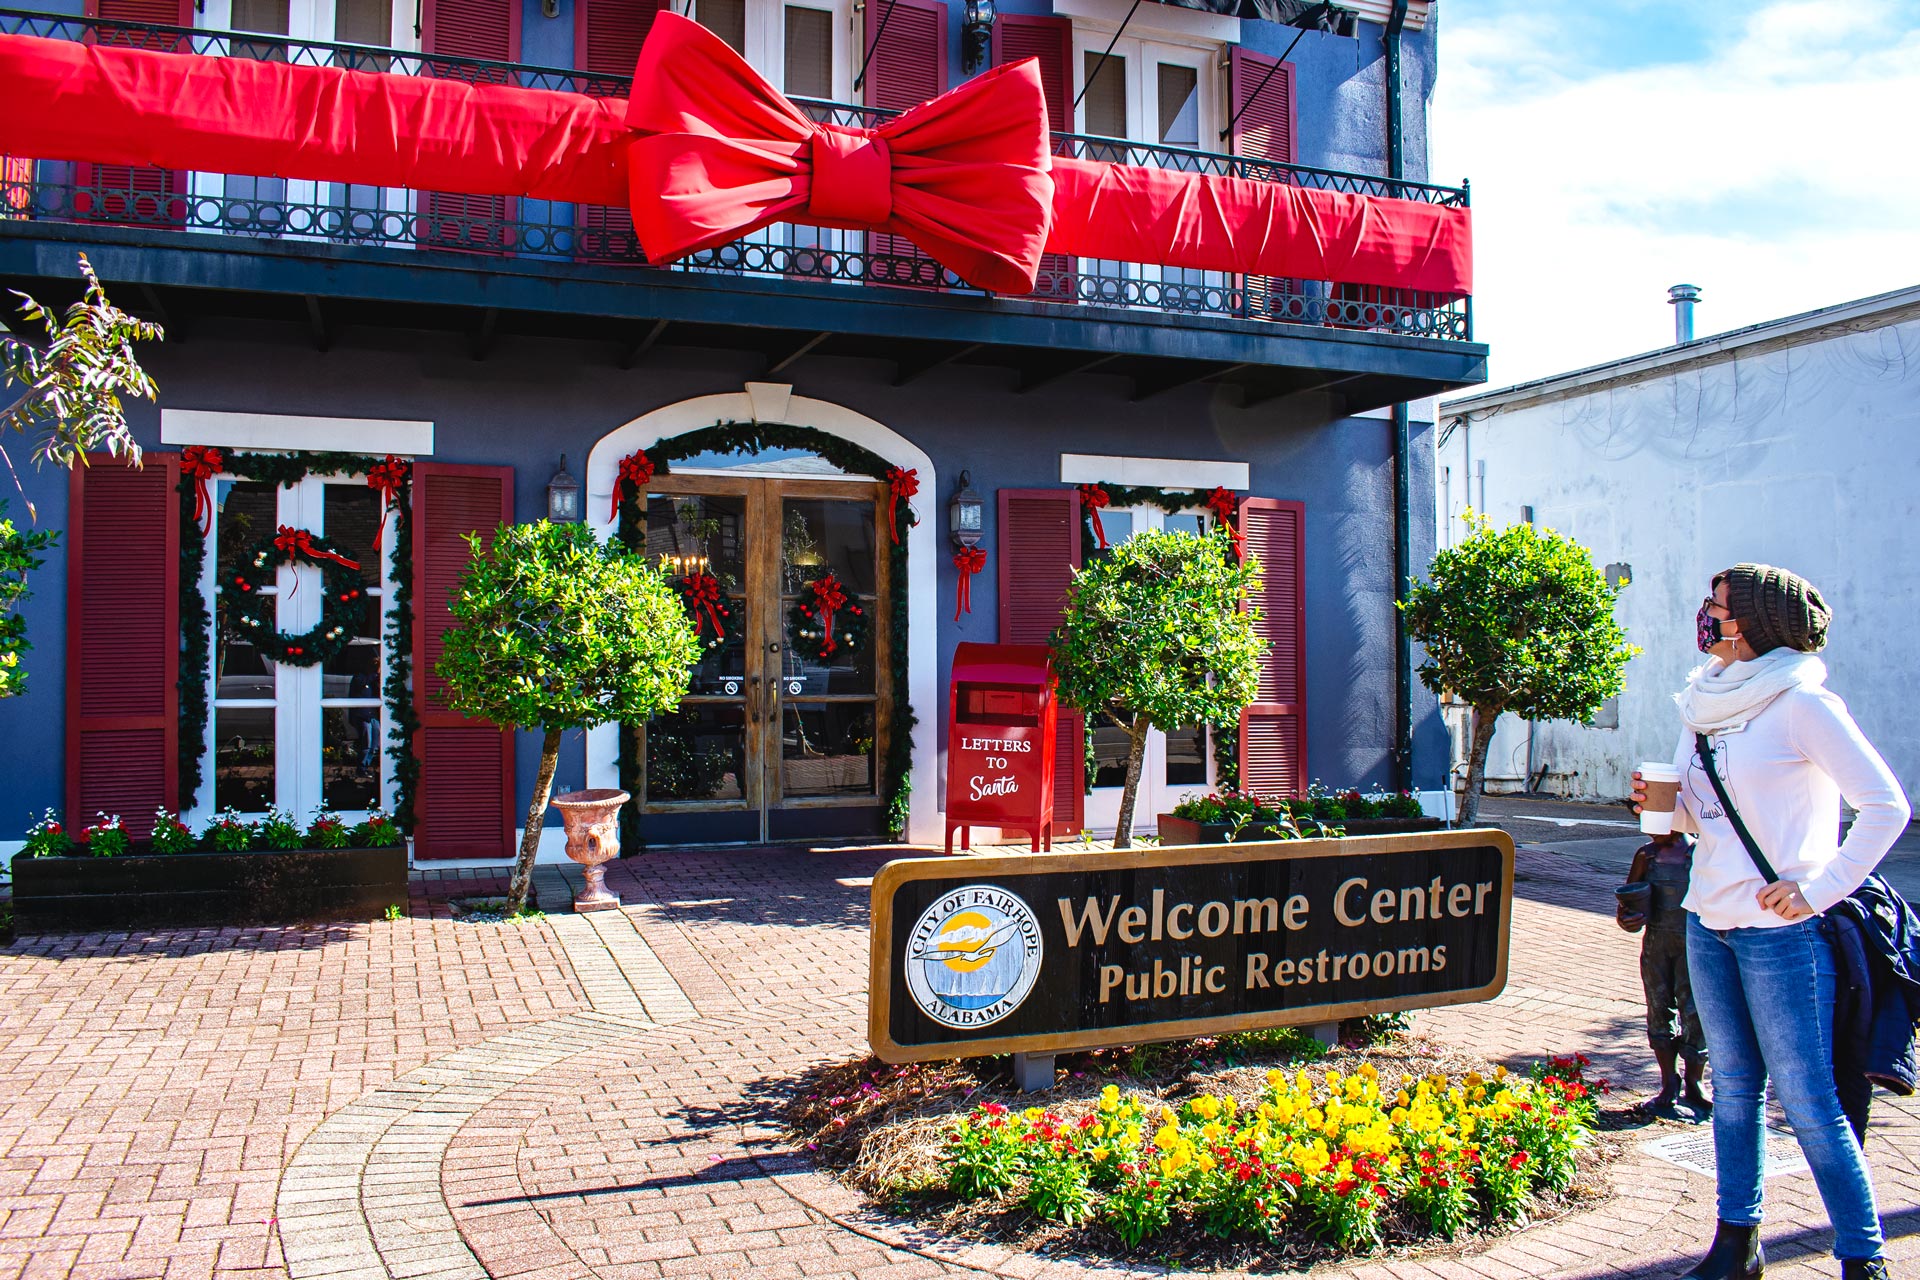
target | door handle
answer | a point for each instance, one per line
(751, 700)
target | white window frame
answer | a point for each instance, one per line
(1156, 795)
(299, 702)
(306, 20)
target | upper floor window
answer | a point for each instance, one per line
(805, 51)
(1144, 91)
(386, 23)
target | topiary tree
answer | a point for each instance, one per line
(1159, 634)
(1516, 619)
(554, 631)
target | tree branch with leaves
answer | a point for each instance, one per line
(1158, 634)
(1516, 619)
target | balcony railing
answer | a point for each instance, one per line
(522, 228)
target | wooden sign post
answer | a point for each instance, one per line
(1034, 955)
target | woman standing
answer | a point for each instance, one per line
(1786, 752)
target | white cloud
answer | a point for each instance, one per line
(1776, 172)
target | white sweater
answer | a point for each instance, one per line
(1785, 771)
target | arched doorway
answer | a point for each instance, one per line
(777, 740)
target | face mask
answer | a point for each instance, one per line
(1706, 630)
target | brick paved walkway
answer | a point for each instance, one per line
(593, 1096)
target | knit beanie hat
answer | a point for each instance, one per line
(1777, 607)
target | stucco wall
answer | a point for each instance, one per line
(1802, 457)
(529, 401)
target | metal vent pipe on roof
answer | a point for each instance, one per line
(1683, 296)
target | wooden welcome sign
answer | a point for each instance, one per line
(1043, 953)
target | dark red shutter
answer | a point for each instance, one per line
(1273, 729)
(908, 66)
(1039, 552)
(1022, 35)
(607, 35)
(123, 193)
(1263, 127)
(465, 807)
(487, 29)
(123, 640)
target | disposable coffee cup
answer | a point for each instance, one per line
(1663, 793)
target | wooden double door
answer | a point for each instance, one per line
(783, 733)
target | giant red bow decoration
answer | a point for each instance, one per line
(1093, 497)
(719, 152)
(1220, 502)
(387, 478)
(902, 484)
(200, 463)
(707, 151)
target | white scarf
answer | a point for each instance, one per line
(1727, 695)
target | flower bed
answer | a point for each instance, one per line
(235, 872)
(1225, 817)
(1224, 1165)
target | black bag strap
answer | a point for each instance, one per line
(1705, 748)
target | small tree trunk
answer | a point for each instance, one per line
(536, 817)
(1136, 754)
(1484, 721)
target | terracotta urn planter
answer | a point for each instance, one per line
(592, 820)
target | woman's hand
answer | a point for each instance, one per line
(1784, 899)
(1639, 791)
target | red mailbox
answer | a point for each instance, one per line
(1000, 736)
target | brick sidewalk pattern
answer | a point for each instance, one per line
(596, 1096)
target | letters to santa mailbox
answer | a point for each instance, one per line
(1000, 738)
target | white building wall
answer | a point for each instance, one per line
(1806, 457)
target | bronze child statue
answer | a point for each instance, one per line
(1656, 886)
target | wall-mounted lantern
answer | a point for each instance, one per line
(966, 515)
(976, 34)
(563, 495)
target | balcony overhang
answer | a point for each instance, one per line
(184, 277)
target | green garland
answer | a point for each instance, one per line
(896, 783)
(196, 621)
(343, 603)
(1226, 741)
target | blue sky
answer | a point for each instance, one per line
(1768, 152)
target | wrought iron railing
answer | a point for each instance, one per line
(416, 221)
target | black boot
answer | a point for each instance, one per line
(1735, 1255)
(1863, 1269)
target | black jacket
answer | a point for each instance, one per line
(1877, 991)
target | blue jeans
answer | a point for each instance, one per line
(1766, 1000)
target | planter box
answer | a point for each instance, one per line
(1182, 831)
(157, 891)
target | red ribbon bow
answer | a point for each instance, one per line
(969, 561)
(828, 596)
(1093, 497)
(1220, 502)
(720, 153)
(702, 594)
(200, 463)
(635, 469)
(298, 542)
(387, 479)
(902, 483)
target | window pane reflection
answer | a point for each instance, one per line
(353, 524)
(1110, 747)
(1187, 756)
(697, 753)
(243, 758)
(350, 758)
(827, 750)
(828, 535)
(695, 533)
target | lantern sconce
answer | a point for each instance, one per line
(549, 8)
(976, 34)
(563, 495)
(966, 515)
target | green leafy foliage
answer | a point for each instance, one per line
(170, 835)
(71, 389)
(47, 838)
(1158, 634)
(1517, 619)
(553, 630)
(19, 554)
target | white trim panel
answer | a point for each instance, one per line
(1164, 21)
(1162, 473)
(296, 431)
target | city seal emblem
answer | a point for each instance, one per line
(973, 956)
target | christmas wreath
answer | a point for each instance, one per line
(250, 616)
(825, 623)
